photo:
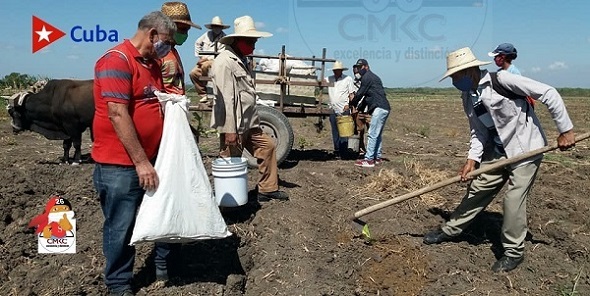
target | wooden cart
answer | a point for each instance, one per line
(285, 94)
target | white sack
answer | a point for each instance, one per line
(183, 207)
(293, 66)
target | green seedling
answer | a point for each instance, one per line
(367, 234)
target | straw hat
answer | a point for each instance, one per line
(178, 12)
(459, 60)
(339, 66)
(216, 21)
(244, 27)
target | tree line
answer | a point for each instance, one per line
(18, 81)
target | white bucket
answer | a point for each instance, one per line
(230, 177)
(354, 142)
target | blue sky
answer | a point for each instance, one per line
(405, 41)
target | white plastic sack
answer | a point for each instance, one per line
(183, 207)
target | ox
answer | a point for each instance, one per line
(62, 110)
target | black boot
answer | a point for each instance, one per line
(436, 237)
(507, 263)
(267, 196)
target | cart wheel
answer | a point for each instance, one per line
(277, 126)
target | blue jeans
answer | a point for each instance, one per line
(120, 197)
(375, 134)
(340, 144)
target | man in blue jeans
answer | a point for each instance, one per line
(127, 127)
(377, 106)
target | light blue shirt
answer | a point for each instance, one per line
(512, 69)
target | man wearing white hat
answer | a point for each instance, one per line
(342, 91)
(205, 47)
(234, 108)
(500, 128)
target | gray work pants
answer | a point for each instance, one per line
(482, 191)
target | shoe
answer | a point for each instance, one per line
(436, 237)
(161, 275)
(378, 161)
(123, 293)
(336, 154)
(507, 263)
(278, 195)
(366, 163)
(204, 99)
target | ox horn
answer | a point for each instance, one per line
(17, 99)
(10, 100)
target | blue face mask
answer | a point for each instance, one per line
(162, 49)
(362, 71)
(463, 84)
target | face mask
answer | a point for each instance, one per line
(463, 84)
(357, 76)
(362, 71)
(162, 49)
(245, 48)
(180, 38)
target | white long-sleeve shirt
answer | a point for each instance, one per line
(206, 43)
(339, 93)
(519, 131)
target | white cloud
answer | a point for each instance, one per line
(282, 30)
(536, 69)
(557, 66)
(259, 25)
(259, 51)
(73, 57)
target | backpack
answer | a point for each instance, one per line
(501, 90)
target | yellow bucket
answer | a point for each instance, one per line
(345, 126)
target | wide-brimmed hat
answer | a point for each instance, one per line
(339, 66)
(461, 59)
(178, 12)
(216, 22)
(244, 27)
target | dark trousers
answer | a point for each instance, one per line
(262, 147)
(120, 197)
(340, 144)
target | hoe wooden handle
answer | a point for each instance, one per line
(456, 179)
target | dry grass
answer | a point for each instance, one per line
(389, 183)
(8, 140)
